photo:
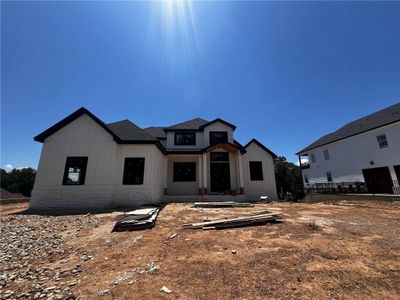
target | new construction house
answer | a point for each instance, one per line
(87, 163)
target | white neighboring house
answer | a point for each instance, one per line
(366, 150)
(86, 163)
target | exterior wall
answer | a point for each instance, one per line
(182, 188)
(171, 141)
(217, 126)
(267, 187)
(349, 156)
(103, 183)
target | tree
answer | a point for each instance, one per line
(18, 180)
(288, 179)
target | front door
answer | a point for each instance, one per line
(220, 177)
(378, 180)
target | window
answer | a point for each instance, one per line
(326, 154)
(133, 170)
(184, 171)
(313, 157)
(219, 156)
(75, 170)
(382, 141)
(217, 137)
(305, 179)
(185, 138)
(256, 172)
(329, 176)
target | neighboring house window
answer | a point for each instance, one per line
(219, 156)
(133, 170)
(382, 141)
(184, 171)
(326, 154)
(185, 138)
(256, 172)
(217, 137)
(329, 176)
(305, 179)
(75, 170)
(313, 158)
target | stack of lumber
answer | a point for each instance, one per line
(138, 219)
(255, 218)
(221, 204)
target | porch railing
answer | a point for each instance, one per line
(345, 188)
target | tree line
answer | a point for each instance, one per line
(18, 180)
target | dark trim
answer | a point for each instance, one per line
(217, 120)
(262, 147)
(66, 171)
(81, 111)
(183, 130)
(301, 152)
(156, 143)
(230, 144)
(171, 152)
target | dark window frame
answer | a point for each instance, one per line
(382, 141)
(210, 134)
(224, 156)
(306, 179)
(72, 161)
(327, 155)
(256, 171)
(186, 177)
(191, 143)
(130, 179)
(313, 158)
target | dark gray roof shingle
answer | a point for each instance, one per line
(193, 124)
(157, 132)
(378, 119)
(127, 131)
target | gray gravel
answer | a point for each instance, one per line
(27, 244)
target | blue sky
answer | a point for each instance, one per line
(283, 72)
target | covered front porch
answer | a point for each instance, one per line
(216, 171)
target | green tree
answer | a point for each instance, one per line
(288, 179)
(18, 180)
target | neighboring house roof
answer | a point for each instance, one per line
(378, 119)
(262, 147)
(127, 131)
(157, 132)
(193, 124)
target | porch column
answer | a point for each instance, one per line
(200, 175)
(241, 182)
(205, 173)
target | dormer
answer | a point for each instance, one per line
(218, 131)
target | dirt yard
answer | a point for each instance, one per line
(347, 250)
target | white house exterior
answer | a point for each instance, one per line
(86, 163)
(366, 150)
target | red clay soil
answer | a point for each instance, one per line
(321, 251)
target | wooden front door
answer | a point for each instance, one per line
(378, 180)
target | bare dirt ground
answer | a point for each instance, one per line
(346, 250)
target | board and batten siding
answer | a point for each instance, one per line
(266, 187)
(103, 186)
(349, 156)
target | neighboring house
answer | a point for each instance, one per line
(366, 150)
(87, 163)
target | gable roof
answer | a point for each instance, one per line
(378, 119)
(262, 147)
(76, 114)
(193, 124)
(218, 120)
(127, 131)
(157, 132)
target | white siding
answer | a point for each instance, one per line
(349, 156)
(267, 187)
(103, 184)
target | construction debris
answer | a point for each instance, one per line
(138, 219)
(254, 218)
(165, 290)
(221, 204)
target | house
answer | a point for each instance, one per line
(86, 163)
(366, 150)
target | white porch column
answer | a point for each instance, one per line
(241, 182)
(205, 172)
(200, 174)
